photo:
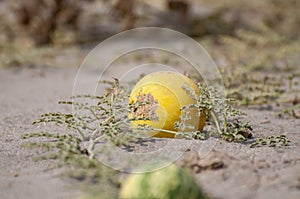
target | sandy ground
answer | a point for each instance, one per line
(246, 173)
(25, 94)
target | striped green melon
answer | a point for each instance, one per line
(171, 182)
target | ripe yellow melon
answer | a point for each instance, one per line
(165, 94)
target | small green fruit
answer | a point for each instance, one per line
(171, 182)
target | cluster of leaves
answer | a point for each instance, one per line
(211, 103)
(95, 119)
(271, 141)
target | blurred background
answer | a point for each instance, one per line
(51, 32)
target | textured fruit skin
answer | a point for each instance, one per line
(166, 89)
(171, 182)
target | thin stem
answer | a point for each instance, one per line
(80, 133)
(155, 129)
(93, 112)
(94, 133)
(91, 146)
(217, 122)
(225, 123)
(166, 131)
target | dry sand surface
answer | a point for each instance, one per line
(242, 172)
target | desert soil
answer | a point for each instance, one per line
(27, 92)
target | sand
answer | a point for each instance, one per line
(27, 92)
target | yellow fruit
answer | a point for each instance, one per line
(166, 96)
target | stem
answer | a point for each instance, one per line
(94, 114)
(155, 129)
(162, 130)
(166, 131)
(225, 123)
(217, 122)
(92, 146)
(92, 141)
(94, 133)
(80, 133)
(111, 103)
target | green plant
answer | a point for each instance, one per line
(210, 103)
(271, 141)
(97, 118)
